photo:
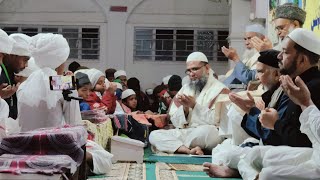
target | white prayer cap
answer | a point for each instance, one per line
(165, 80)
(127, 93)
(94, 75)
(257, 28)
(149, 91)
(119, 73)
(306, 39)
(5, 42)
(119, 86)
(21, 44)
(26, 72)
(197, 56)
(49, 50)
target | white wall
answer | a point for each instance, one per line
(117, 28)
(171, 13)
(57, 12)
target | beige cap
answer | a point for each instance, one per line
(197, 56)
(306, 39)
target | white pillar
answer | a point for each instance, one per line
(238, 19)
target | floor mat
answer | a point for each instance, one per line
(124, 171)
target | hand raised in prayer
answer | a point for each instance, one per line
(112, 87)
(243, 103)
(186, 101)
(261, 45)
(230, 53)
(298, 93)
(268, 118)
(253, 85)
(7, 91)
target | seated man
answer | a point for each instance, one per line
(249, 59)
(298, 58)
(288, 162)
(287, 17)
(192, 112)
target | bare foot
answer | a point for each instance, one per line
(183, 150)
(196, 150)
(220, 171)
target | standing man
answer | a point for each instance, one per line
(5, 48)
(193, 112)
(14, 63)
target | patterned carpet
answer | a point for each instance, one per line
(160, 167)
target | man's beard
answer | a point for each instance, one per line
(198, 84)
(290, 70)
(249, 53)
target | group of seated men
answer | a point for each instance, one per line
(278, 120)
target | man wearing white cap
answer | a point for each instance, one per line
(5, 48)
(192, 112)
(287, 18)
(14, 63)
(249, 58)
(40, 107)
(121, 75)
(299, 57)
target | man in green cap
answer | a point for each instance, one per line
(287, 18)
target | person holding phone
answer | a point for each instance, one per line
(40, 107)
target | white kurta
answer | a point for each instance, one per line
(49, 109)
(101, 158)
(199, 128)
(285, 162)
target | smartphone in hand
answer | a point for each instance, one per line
(59, 83)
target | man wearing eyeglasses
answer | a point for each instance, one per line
(193, 112)
(287, 18)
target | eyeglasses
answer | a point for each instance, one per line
(194, 69)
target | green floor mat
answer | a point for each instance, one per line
(150, 171)
(188, 175)
(177, 159)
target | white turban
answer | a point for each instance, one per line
(94, 75)
(119, 73)
(21, 44)
(197, 56)
(5, 43)
(257, 28)
(127, 93)
(306, 39)
(26, 72)
(165, 80)
(49, 50)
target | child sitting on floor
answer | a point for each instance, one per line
(83, 88)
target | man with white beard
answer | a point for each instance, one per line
(249, 58)
(193, 112)
(287, 18)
